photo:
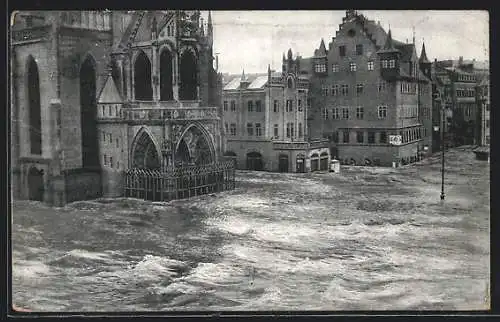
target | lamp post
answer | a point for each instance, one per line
(442, 152)
(437, 98)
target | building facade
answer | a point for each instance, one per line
(367, 87)
(265, 120)
(463, 119)
(95, 93)
(483, 108)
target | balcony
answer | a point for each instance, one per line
(300, 145)
(91, 20)
(161, 113)
(33, 33)
(165, 104)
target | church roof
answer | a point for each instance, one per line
(110, 93)
(423, 55)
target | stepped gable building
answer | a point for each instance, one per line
(367, 86)
(265, 120)
(95, 93)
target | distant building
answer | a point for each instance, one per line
(459, 81)
(265, 121)
(367, 87)
(483, 106)
(97, 92)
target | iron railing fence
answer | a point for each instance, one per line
(180, 182)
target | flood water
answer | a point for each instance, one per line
(365, 239)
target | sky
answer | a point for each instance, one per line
(251, 40)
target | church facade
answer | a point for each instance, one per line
(96, 93)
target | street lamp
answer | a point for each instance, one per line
(442, 153)
(437, 98)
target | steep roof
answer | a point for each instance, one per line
(109, 93)
(321, 52)
(423, 55)
(389, 45)
(255, 81)
(258, 82)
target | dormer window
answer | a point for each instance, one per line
(370, 65)
(385, 63)
(392, 63)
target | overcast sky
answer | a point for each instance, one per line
(254, 39)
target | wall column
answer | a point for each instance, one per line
(56, 184)
(175, 76)
(128, 78)
(154, 74)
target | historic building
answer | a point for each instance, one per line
(265, 121)
(98, 92)
(366, 87)
(459, 98)
(483, 108)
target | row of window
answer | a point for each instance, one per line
(321, 67)
(467, 78)
(465, 92)
(409, 111)
(408, 88)
(343, 51)
(108, 137)
(258, 106)
(108, 161)
(360, 112)
(343, 89)
(290, 129)
(409, 135)
(388, 63)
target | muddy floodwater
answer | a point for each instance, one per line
(367, 239)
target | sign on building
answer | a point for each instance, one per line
(395, 139)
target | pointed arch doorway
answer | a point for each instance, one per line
(144, 153)
(194, 148)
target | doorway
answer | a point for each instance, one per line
(36, 184)
(283, 163)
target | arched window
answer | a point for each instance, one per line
(88, 114)
(290, 82)
(35, 116)
(142, 78)
(166, 92)
(188, 86)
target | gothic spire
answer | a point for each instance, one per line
(389, 45)
(209, 23)
(322, 48)
(423, 55)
